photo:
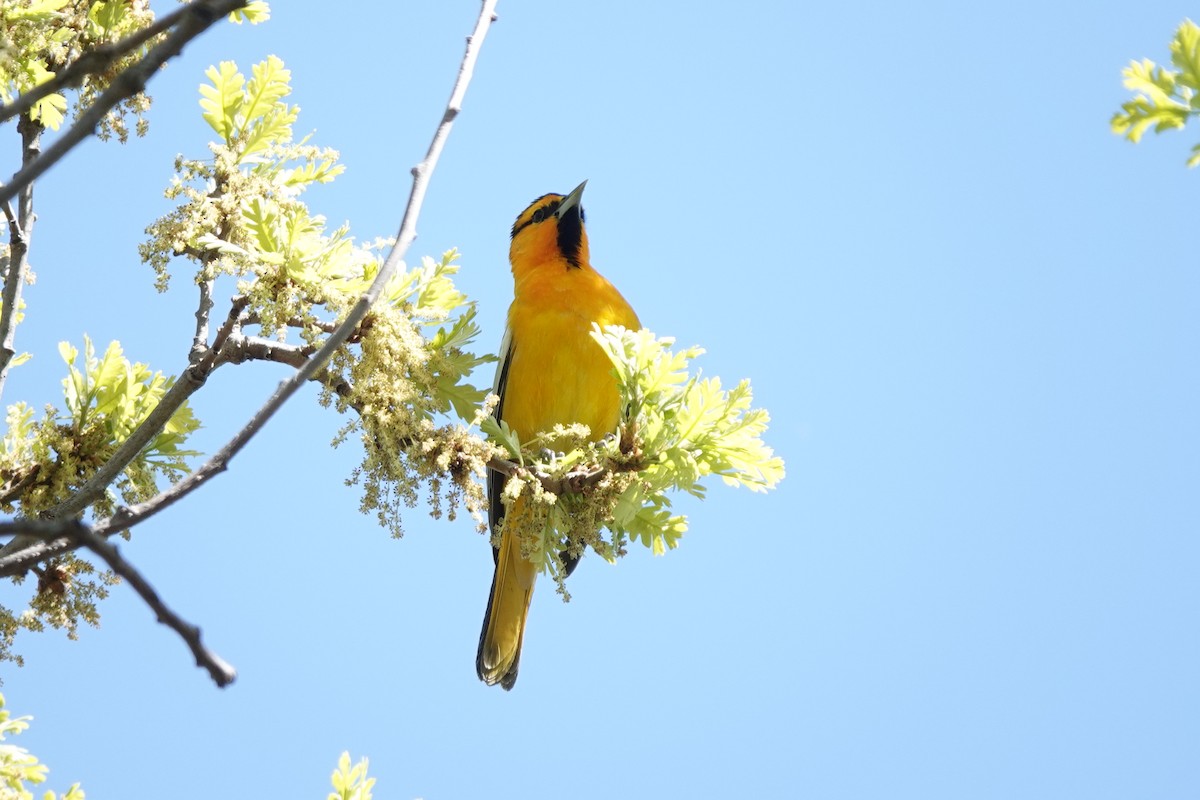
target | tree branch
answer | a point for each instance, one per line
(13, 560)
(199, 16)
(222, 673)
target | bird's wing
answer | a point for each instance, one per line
(495, 481)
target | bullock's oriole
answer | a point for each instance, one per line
(551, 371)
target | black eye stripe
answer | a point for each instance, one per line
(539, 215)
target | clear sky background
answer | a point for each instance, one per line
(972, 311)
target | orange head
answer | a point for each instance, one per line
(550, 231)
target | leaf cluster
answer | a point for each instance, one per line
(44, 462)
(351, 782)
(1166, 98)
(40, 38)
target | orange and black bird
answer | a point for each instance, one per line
(551, 371)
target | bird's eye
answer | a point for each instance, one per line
(539, 215)
(582, 216)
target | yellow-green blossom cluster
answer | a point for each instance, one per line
(242, 215)
(402, 380)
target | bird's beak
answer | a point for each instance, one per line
(570, 201)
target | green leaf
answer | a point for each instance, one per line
(38, 11)
(254, 13)
(269, 84)
(262, 220)
(504, 436)
(68, 352)
(222, 99)
(210, 242)
(689, 429)
(1185, 54)
(108, 14)
(463, 397)
(275, 128)
(313, 172)
(1195, 157)
(51, 110)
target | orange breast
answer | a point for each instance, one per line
(557, 373)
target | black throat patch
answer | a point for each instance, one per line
(570, 235)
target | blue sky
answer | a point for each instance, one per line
(971, 310)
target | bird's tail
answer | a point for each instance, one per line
(504, 623)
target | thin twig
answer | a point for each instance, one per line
(200, 15)
(84, 535)
(14, 562)
(95, 60)
(577, 480)
(230, 327)
(222, 673)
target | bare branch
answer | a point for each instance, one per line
(96, 60)
(84, 535)
(255, 348)
(326, 326)
(199, 16)
(203, 309)
(20, 227)
(13, 560)
(38, 528)
(222, 673)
